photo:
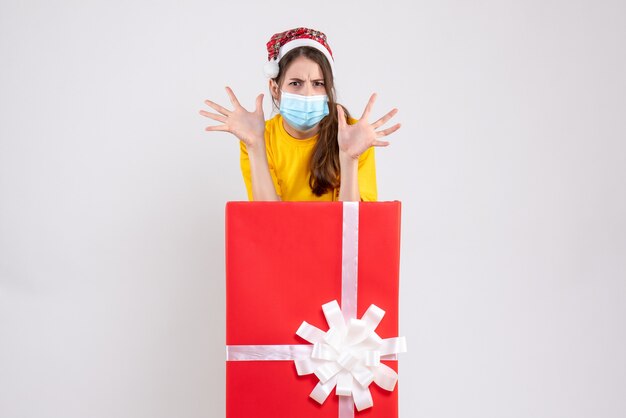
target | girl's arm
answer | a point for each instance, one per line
(349, 180)
(249, 127)
(261, 179)
(353, 141)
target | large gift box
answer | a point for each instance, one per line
(312, 309)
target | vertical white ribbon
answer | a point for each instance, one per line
(349, 280)
(349, 259)
(346, 407)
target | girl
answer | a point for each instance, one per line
(312, 149)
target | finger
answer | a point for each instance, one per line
(380, 143)
(341, 116)
(232, 97)
(368, 108)
(388, 131)
(216, 128)
(217, 107)
(213, 116)
(259, 104)
(385, 118)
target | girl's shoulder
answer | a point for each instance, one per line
(273, 127)
(273, 120)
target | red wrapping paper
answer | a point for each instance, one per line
(283, 262)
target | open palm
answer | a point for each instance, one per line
(355, 139)
(249, 127)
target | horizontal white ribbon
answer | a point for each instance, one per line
(267, 352)
(275, 352)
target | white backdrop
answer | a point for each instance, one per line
(511, 166)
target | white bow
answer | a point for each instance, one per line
(348, 355)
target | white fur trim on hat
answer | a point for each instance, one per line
(271, 67)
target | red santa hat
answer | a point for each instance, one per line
(281, 43)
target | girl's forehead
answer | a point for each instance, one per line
(304, 68)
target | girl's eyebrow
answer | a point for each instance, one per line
(299, 79)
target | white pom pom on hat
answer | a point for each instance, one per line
(270, 69)
(283, 42)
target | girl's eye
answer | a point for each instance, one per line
(319, 83)
(294, 83)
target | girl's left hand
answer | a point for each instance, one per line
(355, 139)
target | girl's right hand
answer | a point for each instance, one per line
(249, 127)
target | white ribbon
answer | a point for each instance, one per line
(350, 259)
(267, 352)
(347, 356)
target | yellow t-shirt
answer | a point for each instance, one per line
(288, 160)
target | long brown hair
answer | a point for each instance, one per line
(324, 164)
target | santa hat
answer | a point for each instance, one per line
(281, 43)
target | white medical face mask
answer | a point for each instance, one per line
(303, 112)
